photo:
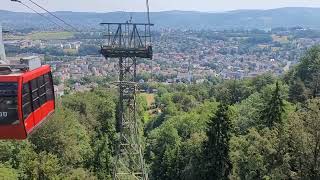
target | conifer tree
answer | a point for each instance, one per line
(274, 109)
(217, 165)
(297, 91)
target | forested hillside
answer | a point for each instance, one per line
(241, 19)
(260, 128)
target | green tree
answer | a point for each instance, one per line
(304, 141)
(64, 136)
(49, 166)
(273, 111)
(174, 149)
(29, 163)
(261, 81)
(231, 92)
(259, 155)
(216, 151)
(297, 91)
(161, 151)
(96, 111)
(79, 174)
(56, 81)
(184, 102)
(248, 113)
(316, 84)
(8, 173)
(309, 69)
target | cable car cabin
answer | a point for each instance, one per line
(26, 100)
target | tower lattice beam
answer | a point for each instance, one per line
(127, 42)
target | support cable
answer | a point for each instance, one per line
(48, 19)
(74, 28)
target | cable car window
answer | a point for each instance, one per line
(42, 90)
(40, 80)
(49, 86)
(35, 94)
(26, 101)
(8, 103)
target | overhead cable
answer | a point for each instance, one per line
(18, 1)
(148, 11)
(74, 28)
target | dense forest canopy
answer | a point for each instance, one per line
(258, 128)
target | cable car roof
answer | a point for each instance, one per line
(18, 72)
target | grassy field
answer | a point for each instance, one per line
(12, 37)
(42, 36)
(281, 39)
(149, 97)
(147, 116)
(50, 35)
(261, 46)
(70, 51)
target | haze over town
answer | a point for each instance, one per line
(162, 5)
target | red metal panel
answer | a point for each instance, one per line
(28, 76)
(13, 132)
(37, 115)
(9, 78)
(50, 106)
(46, 109)
(29, 123)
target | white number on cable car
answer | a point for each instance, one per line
(3, 114)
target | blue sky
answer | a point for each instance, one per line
(159, 5)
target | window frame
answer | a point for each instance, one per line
(24, 104)
(49, 86)
(38, 95)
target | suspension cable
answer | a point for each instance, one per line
(148, 10)
(48, 19)
(74, 28)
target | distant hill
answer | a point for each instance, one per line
(239, 19)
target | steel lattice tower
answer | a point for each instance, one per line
(127, 42)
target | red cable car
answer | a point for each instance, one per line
(26, 100)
